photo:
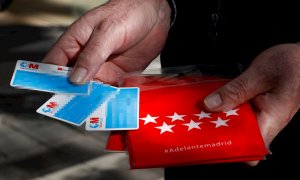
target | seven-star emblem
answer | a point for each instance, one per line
(220, 122)
(149, 118)
(203, 115)
(232, 112)
(176, 117)
(192, 124)
(165, 128)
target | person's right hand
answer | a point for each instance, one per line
(117, 37)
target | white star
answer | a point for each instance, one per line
(192, 124)
(176, 117)
(220, 122)
(203, 115)
(149, 119)
(165, 127)
(232, 112)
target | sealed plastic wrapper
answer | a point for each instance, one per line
(175, 129)
(174, 76)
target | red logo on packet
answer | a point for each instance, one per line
(94, 122)
(49, 107)
(59, 68)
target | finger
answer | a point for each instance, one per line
(252, 163)
(271, 116)
(106, 39)
(57, 56)
(137, 57)
(70, 43)
(110, 73)
(115, 34)
(273, 113)
(244, 87)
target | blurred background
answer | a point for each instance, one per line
(33, 146)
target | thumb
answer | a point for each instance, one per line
(239, 90)
(101, 44)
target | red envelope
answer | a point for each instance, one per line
(175, 130)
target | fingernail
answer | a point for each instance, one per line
(78, 75)
(213, 101)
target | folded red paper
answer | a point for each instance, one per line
(116, 141)
(175, 129)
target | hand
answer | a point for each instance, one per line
(272, 83)
(117, 37)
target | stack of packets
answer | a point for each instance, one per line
(101, 106)
(175, 130)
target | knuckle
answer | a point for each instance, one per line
(110, 24)
(85, 58)
(237, 90)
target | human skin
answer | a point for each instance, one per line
(122, 36)
(272, 83)
(117, 37)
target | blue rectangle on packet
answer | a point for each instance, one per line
(75, 109)
(120, 112)
(45, 77)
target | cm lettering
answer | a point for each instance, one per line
(29, 65)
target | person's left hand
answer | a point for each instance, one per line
(272, 83)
